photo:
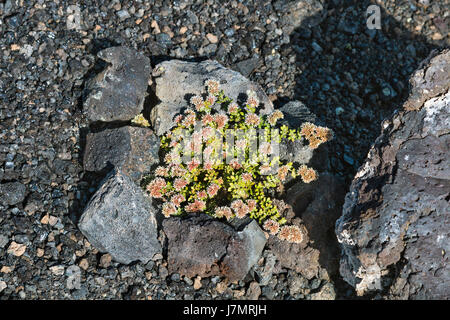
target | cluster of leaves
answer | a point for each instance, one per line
(234, 188)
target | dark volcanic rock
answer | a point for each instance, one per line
(295, 114)
(12, 193)
(394, 229)
(176, 81)
(305, 13)
(319, 205)
(300, 257)
(43, 65)
(246, 67)
(120, 220)
(131, 149)
(118, 93)
(200, 245)
(429, 81)
(196, 245)
(243, 251)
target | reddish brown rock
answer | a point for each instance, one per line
(319, 205)
(314, 208)
(201, 246)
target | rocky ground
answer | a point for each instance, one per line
(321, 53)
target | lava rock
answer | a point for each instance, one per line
(243, 251)
(319, 205)
(429, 81)
(295, 114)
(118, 93)
(246, 67)
(327, 292)
(200, 245)
(12, 193)
(300, 257)
(176, 81)
(394, 227)
(133, 150)
(303, 13)
(121, 220)
(265, 271)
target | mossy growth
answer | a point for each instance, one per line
(220, 159)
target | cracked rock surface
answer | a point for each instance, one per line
(120, 220)
(200, 245)
(118, 93)
(394, 228)
(349, 76)
(177, 81)
(133, 150)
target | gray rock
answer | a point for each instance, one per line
(73, 280)
(297, 284)
(243, 251)
(121, 220)
(12, 193)
(295, 114)
(176, 81)
(133, 150)
(123, 14)
(201, 245)
(3, 241)
(394, 227)
(118, 93)
(265, 271)
(3, 286)
(246, 67)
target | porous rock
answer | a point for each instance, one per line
(121, 220)
(118, 93)
(432, 79)
(300, 257)
(295, 114)
(202, 246)
(12, 193)
(133, 150)
(319, 205)
(394, 229)
(304, 13)
(243, 251)
(265, 271)
(177, 81)
(326, 292)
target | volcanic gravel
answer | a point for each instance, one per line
(349, 76)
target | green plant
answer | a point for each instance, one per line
(241, 186)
